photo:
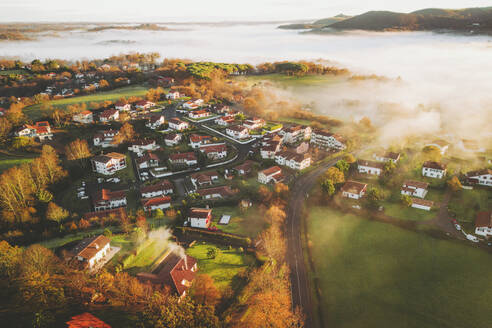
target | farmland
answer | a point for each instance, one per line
(373, 274)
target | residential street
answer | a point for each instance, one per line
(301, 291)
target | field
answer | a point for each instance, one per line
(224, 267)
(14, 71)
(249, 224)
(373, 274)
(7, 161)
(35, 112)
(294, 81)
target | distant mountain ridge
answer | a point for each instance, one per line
(477, 19)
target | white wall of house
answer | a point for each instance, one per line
(369, 170)
(98, 256)
(422, 207)
(199, 223)
(483, 231)
(352, 195)
(114, 203)
(433, 173)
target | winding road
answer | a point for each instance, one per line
(301, 291)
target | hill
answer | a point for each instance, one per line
(478, 20)
(320, 23)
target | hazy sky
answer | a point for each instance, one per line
(206, 10)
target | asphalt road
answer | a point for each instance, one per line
(301, 291)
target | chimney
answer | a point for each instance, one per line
(186, 262)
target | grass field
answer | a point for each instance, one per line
(250, 223)
(146, 257)
(373, 274)
(7, 162)
(223, 268)
(14, 71)
(294, 81)
(35, 112)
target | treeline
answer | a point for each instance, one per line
(300, 68)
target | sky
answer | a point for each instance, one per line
(205, 10)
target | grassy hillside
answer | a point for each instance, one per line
(35, 112)
(373, 274)
(320, 23)
(476, 19)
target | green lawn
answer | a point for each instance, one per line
(294, 81)
(373, 274)
(8, 162)
(250, 223)
(397, 210)
(147, 256)
(14, 71)
(223, 268)
(35, 112)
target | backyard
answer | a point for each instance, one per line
(465, 205)
(373, 274)
(225, 267)
(249, 223)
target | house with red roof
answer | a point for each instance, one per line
(173, 95)
(237, 132)
(172, 139)
(483, 224)
(109, 115)
(214, 152)
(105, 138)
(122, 106)
(86, 320)
(108, 164)
(144, 105)
(147, 160)
(91, 250)
(271, 175)
(163, 187)
(188, 159)
(85, 117)
(155, 121)
(225, 120)
(354, 189)
(220, 192)
(199, 217)
(175, 272)
(106, 199)
(199, 114)
(143, 145)
(327, 140)
(197, 140)
(152, 204)
(177, 124)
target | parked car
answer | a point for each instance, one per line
(457, 226)
(472, 238)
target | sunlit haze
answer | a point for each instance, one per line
(199, 10)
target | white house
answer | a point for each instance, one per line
(293, 160)
(197, 140)
(144, 105)
(106, 200)
(200, 217)
(414, 188)
(173, 95)
(105, 138)
(272, 174)
(143, 145)
(327, 140)
(254, 123)
(433, 170)
(387, 157)
(354, 189)
(296, 133)
(172, 139)
(92, 250)
(225, 120)
(193, 104)
(153, 204)
(108, 164)
(370, 167)
(268, 150)
(214, 152)
(109, 115)
(146, 161)
(422, 204)
(202, 179)
(155, 121)
(188, 159)
(199, 114)
(164, 187)
(177, 124)
(483, 224)
(85, 117)
(122, 107)
(481, 177)
(237, 132)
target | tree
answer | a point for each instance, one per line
(275, 215)
(373, 198)
(154, 95)
(5, 128)
(454, 184)
(406, 200)
(349, 158)
(273, 243)
(15, 114)
(432, 153)
(56, 213)
(204, 291)
(78, 149)
(213, 252)
(328, 187)
(125, 134)
(389, 167)
(343, 166)
(335, 175)
(10, 258)
(103, 84)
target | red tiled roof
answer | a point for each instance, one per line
(186, 156)
(214, 148)
(484, 219)
(353, 187)
(87, 249)
(108, 113)
(271, 170)
(422, 202)
(197, 138)
(435, 165)
(86, 320)
(416, 184)
(200, 213)
(156, 201)
(224, 191)
(163, 185)
(105, 195)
